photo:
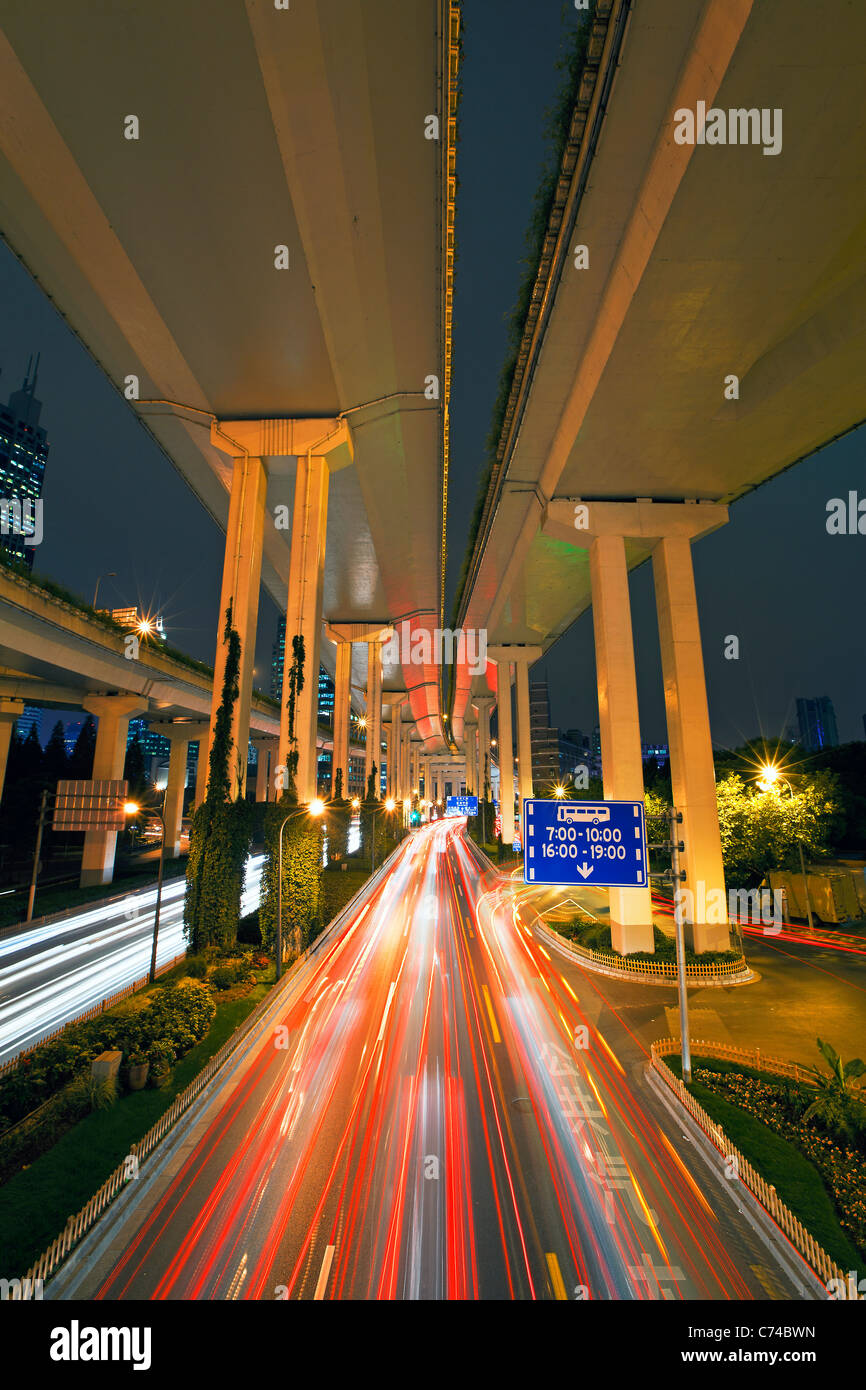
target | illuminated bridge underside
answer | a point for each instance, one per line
(259, 128)
(704, 261)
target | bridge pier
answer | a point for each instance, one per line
(470, 741)
(266, 750)
(113, 713)
(484, 703)
(506, 747)
(667, 530)
(693, 775)
(622, 766)
(180, 735)
(242, 571)
(373, 750)
(10, 711)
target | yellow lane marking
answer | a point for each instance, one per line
(543, 952)
(556, 1278)
(487, 1000)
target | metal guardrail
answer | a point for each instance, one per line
(814, 1254)
(78, 1225)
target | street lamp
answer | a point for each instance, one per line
(316, 808)
(111, 575)
(389, 807)
(770, 776)
(131, 808)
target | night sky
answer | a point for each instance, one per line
(773, 576)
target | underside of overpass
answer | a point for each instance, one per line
(258, 232)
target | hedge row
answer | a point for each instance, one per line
(176, 1018)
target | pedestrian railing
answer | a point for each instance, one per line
(813, 1253)
(660, 969)
(93, 1012)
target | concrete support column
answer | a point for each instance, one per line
(10, 710)
(394, 788)
(483, 703)
(304, 618)
(113, 713)
(387, 732)
(406, 764)
(172, 812)
(373, 755)
(524, 740)
(470, 741)
(506, 750)
(266, 749)
(342, 705)
(622, 767)
(691, 750)
(201, 774)
(242, 572)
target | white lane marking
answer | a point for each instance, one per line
(323, 1273)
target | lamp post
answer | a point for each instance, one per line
(131, 808)
(389, 807)
(111, 575)
(316, 808)
(770, 775)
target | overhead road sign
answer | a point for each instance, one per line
(601, 844)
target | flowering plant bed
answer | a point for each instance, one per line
(782, 1107)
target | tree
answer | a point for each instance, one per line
(221, 829)
(134, 769)
(81, 758)
(838, 1106)
(56, 758)
(762, 831)
(32, 758)
(302, 876)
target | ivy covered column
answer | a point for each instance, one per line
(242, 573)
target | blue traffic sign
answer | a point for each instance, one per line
(461, 806)
(601, 844)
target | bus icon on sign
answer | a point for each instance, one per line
(582, 814)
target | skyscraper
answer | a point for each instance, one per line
(816, 720)
(23, 451)
(326, 682)
(544, 739)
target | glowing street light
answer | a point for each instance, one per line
(356, 804)
(559, 792)
(769, 782)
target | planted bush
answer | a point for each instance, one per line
(179, 1014)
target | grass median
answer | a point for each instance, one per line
(797, 1181)
(36, 1204)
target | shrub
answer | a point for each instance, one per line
(196, 967)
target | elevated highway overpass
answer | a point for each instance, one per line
(696, 326)
(250, 228)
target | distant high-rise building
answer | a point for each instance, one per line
(326, 682)
(544, 739)
(816, 720)
(30, 719)
(23, 452)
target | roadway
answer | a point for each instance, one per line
(56, 972)
(428, 1112)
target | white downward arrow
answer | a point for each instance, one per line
(585, 869)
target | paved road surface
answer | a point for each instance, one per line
(432, 1114)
